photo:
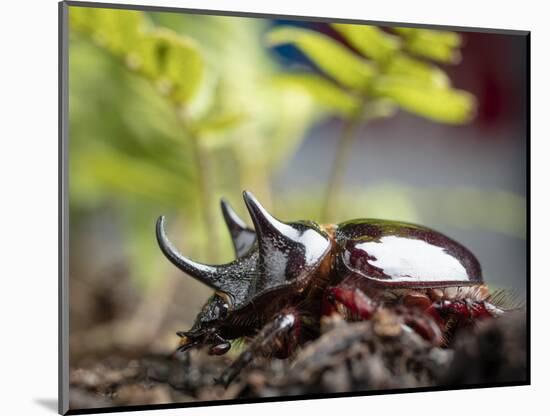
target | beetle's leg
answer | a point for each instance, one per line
(462, 312)
(356, 304)
(278, 337)
(424, 325)
(416, 300)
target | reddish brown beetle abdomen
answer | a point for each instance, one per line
(403, 255)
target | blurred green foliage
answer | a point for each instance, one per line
(468, 208)
(162, 106)
(384, 72)
(157, 54)
(169, 112)
(372, 76)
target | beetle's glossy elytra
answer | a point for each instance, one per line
(398, 254)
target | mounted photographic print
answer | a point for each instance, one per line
(262, 207)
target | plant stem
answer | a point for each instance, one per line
(338, 170)
(205, 199)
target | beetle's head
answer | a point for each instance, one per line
(274, 256)
(205, 330)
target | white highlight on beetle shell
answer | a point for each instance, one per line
(405, 259)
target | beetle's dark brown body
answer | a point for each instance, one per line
(389, 253)
(288, 275)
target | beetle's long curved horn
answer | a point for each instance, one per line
(243, 237)
(266, 226)
(212, 276)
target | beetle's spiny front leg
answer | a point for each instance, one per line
(279, 337)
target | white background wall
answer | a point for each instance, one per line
(28, 216)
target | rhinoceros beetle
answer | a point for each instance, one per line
(287, 276)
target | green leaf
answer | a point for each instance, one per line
(328, 95)
(331, 57)
(439, 104)
(171, 61)
(438, 45)
(378, 108)
(219, 123)
(369, 40)
(402, 65)
(115, 30)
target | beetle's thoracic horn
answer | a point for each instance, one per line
(213, 276)
(287, 251)
(266, 226)
(243, 237)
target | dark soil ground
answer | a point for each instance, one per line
(348, 357)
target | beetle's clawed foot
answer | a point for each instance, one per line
(227, 376)
(217, 345)
(231, 372)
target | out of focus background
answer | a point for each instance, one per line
(169, 112)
